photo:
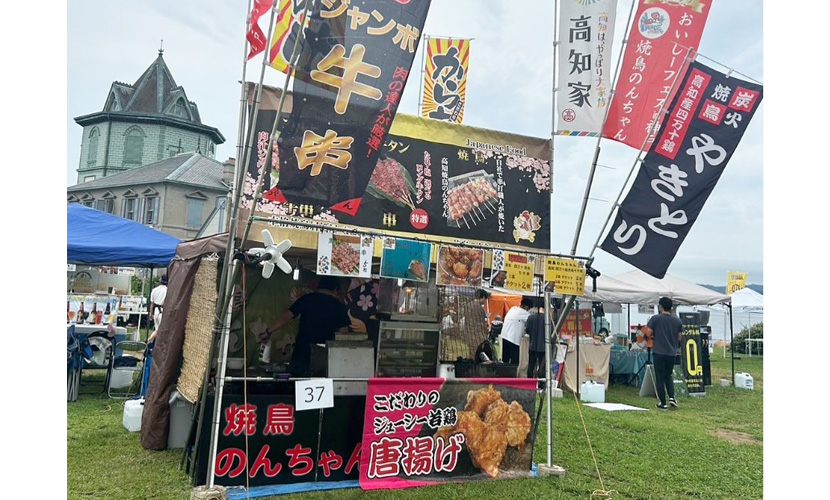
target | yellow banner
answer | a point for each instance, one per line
(285, 32)
(519, 272)
(445, 79)
(567, 275)
(735, 281)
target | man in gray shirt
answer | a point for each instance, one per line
(667, 332)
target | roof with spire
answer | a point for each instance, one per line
(154, 95)
(186, 168)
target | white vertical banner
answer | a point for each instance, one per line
(586, 33)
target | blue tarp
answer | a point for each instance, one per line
(98, 238)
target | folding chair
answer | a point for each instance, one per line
(103, 352)
(122, 378)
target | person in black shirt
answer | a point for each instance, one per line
(321, 313)
(535, 327)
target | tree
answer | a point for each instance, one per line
(756, 331)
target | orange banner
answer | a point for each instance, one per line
(445, 79)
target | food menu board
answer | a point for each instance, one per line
(519, 270)
(459, 266)
(568, 275)
(344, 255)
(405, 259)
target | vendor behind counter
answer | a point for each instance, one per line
(322, 314)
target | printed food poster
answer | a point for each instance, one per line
(498, 275)
(344, 255)
(405, 259)
(519, 269)
(459, 266)
(423, 431)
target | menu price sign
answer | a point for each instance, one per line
(568, 275)
(344, 255)
(519, 272)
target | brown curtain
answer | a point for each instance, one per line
(167, 355)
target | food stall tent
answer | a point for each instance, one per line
(98, 238)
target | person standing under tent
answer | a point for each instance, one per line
(321, 313)
(535, 327)
(667, 332)
(513, 330)
(157, 296)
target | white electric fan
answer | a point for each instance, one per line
(272, 254)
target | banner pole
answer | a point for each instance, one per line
(267, 166)
(593, 169)
(230, 221)
(224, 296)
(548, 389)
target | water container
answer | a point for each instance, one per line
(744, 381)
(592, 392)
(133, 409)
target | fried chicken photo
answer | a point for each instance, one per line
(511, 419)
(479, 400)
(518, 425)
(485, 443)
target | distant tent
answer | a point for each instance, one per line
(747, 299)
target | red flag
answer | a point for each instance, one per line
(256, 38)
(657, 43)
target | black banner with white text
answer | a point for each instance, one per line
(705, 123)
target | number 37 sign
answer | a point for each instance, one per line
(314, 394)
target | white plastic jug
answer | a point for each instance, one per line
(592, 392)
(132, 414)
(744, 381)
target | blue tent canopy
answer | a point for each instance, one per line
(98, 238)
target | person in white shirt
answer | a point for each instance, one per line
(512, 331)
(157, 297)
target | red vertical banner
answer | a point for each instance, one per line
(661, 35)
(256, 38)
(421, 431)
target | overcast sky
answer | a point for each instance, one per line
(509, 89)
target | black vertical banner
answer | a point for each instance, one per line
(706, 121)
(692, 360)
(349, 79)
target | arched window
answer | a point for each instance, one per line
(92, 147)
(133, 146)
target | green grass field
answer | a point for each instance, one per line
(709, 448)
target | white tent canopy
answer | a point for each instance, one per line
(748, 300)
(680, 291)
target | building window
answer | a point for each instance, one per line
(194, 212)
(151, 210)
(133, 146)
(221, 205)
(104, 205)
(92, 152)
(89, 178)
(88, 203)
(130, 208)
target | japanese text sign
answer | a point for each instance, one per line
(344, 254)
(660, 37)
(519, 269)
(349, 79)
(263, 441)
(426, 430)
(445, 79)
(735, 281)
(570, 326)
(568, 275)
(705, 123)
(586, 33)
